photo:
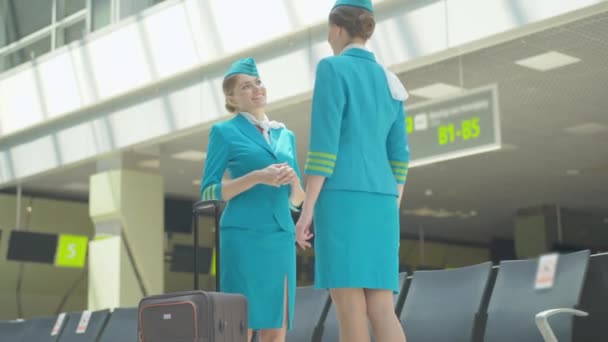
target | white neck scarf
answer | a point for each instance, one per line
(398, 91)
(264, 123)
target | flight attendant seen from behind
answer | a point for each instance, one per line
(356, 168)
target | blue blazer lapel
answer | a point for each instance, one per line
(274, 137)
(251, 132)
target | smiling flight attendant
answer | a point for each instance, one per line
(257, 245)
(357, 166)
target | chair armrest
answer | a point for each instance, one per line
(542, 322)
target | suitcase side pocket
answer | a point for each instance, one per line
(170, 320)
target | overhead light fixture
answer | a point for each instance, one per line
(150, 163)
(547, 61)
(572, 172)
(587, 128)
(196, 182)
(436, 90)
(428, 192)
(440, 213)
(190, 155)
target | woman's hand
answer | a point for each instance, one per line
(287, 175)
(303, 233)
(270, 175)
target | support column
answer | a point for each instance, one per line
(536, 230)
(126, 257)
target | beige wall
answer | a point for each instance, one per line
(42, 286)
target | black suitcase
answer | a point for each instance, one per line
(195, 316)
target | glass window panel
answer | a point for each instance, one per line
(70, 33)
(19, 18)
(101, 15)
(65, 8)
(132, 7)
(29, 15)
(4, 64)
(5, 25)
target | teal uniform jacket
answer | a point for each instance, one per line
(257, 236)
(359, 143)
(237, 146)
(357, 135)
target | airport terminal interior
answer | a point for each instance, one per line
(106, 108)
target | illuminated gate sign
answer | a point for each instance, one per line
(453, 127)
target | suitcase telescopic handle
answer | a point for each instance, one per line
(198, 209)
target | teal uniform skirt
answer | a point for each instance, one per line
(356, 240)
(256, 263)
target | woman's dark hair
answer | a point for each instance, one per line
(228, 88)
(358, 22)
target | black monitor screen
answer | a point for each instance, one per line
(32, 247)
(178, 216)
(183, 257)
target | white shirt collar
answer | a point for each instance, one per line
(355, 46)
(264, 123)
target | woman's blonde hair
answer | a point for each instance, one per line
(228, 87)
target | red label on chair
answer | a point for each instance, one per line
(545, 275)
(58, 324)
(84, 322)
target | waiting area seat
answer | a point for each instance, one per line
(515, 301)
(594, 301)
(12, 330)
(444, 305)
(121, 327)
(85, 326)
(310, 303)
(40, 329)
(474, 303)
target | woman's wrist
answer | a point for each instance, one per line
(255, 177)
(297, 193)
